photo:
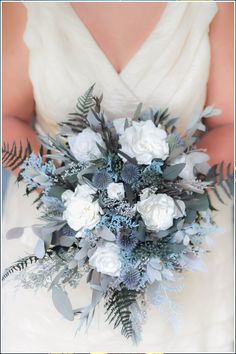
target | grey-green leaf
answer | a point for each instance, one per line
(138, 111)
(62, 303)
(199, 202)
(15, 232)
(106, 234)
(172, 172)
(56, 192)
(39, 250)
(102, 150)
(67, 241)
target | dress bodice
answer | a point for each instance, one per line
(169, 70)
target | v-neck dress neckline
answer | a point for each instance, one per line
(138, 51)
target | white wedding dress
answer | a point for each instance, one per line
(169, 70)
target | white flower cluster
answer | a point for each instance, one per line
(159, 210)
(144, 142)
(106, 259)
(81, 211)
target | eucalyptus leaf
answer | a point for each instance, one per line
(82, 253)
(96, 287)
(127, 157)
(162, 233)
(194, 120)
(72, 179)
(105, 281)
(138, 111)
(56, 191)
(88, 176)
(126, 125)
(172, 172)
(62, 303)
(89, 276)
(56, 279)
(141, 231)
(67, 241)
(180, 224)
(15, 232)
(102, 150)
(96, 278)
(197, 202)
(55, 157)
(88, 170)
(39, 249)
(210, 111)
(176, 152)
(106, 234)
(43, 234)
(45, 231)
(190, 216)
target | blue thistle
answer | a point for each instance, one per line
(130, 173)
(101, 179)
(127, 239)
(155, 166)
(68, 231)
(131, 279)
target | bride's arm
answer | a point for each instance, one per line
(17, 94)
(219, 140)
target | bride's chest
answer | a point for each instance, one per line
(119, 29)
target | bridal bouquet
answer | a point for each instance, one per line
(127, 207)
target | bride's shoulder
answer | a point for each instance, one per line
(17, 88)
(221, 79)
(224, 18)
(14, 20)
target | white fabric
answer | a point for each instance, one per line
(169, 70)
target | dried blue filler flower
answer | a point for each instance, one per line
(68, 231)
(101, 179)
(131, 279)
(130, 173)
(127, 239)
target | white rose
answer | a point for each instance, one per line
(116, 191)
(159, 210)
(191, 159)
(81, 212)
(145, 142)
(106, 259)
(84, 146)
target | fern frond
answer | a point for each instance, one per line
(78, 120)
(223, 180)
(24, 262)
(14, 157)
(118, 310)
(161, 116)
(19, 265)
